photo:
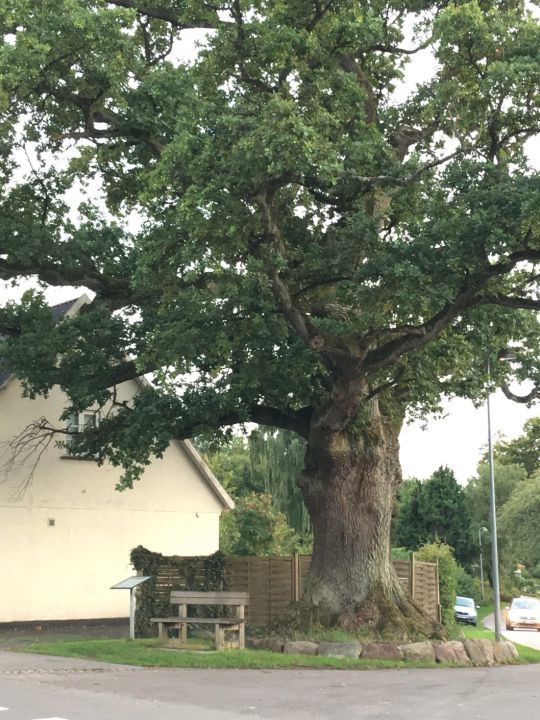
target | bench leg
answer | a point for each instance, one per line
(182, 634)
(242, 636)
(240, 614)
(162, 631)
(220, 637)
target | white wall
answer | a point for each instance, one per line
(65, 571)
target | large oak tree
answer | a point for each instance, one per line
(317, 248)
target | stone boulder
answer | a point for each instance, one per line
(339, 649)
(418, 651)
(504, 652)
(300, 647)
(381, 651)
(451, 652)
(479, 651)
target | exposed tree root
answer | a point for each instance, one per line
(377, 618)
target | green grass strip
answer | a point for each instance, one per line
(147, 653)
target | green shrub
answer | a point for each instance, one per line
(255, 527)
(466, 584)
(401, 553)
(443, 555)
(488, 593)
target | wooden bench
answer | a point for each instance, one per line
(236, 600)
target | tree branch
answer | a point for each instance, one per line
(533, 395)
(116, 291)
(523, 303)
(167, 15)
(26, 448)
(366, 183)
(469, 296)
(296, 318)
(396, 50)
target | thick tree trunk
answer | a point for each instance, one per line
(349, 485)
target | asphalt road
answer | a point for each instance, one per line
(530, 638)
(36, 687)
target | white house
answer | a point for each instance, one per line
(66, 535)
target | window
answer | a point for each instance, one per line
(77, 423)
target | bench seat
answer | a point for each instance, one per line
(198, 621)
(184, 598)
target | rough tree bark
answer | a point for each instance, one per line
(349, 484)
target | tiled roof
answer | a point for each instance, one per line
(58, 311)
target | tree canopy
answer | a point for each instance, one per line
(434, 511)
(520, 522)
(296, 217)
(507, 479)
(523, 450)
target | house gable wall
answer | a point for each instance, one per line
(67, 538)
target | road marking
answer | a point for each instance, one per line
(54, 718)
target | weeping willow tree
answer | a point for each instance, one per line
(278, 457)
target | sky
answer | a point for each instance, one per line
(459, 438)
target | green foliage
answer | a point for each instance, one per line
(523, 450)
(296, 219)
(279, 457)
(231, 464)
(467, 585)
(194, 573)
(507, 479)
(443, 555)
(519, 522)
(434, 510)
(515, 484)
(401, 553)
(255, 527)
(408, 520)
(268, 461)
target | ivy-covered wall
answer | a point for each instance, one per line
(173, 573)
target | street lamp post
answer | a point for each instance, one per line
(480, 531)
(493, 520)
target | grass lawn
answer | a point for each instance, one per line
(148, 653)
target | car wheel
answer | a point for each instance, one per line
(509, 627)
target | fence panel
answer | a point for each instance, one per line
(273, 583)
(403, 570)
(426, 592)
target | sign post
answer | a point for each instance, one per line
(130, 584)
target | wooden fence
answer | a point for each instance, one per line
(273, 583)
